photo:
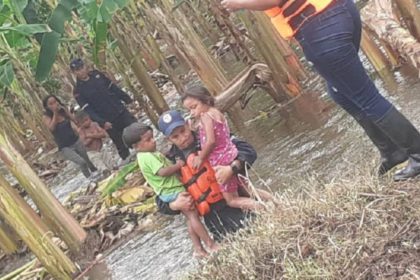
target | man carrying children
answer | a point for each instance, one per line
(221, 218)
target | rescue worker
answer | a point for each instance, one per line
(103, 101)
(221, 219)
(329, 32)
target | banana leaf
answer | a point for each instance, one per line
(18, 5)
(26, 29)
(101, 31)
(6, 73)
(119, 180)
(51, 40)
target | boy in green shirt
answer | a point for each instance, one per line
(162, 177)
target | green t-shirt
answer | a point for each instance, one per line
(149, 164)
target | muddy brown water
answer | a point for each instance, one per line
(310, 136)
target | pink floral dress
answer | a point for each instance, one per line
(224, 152)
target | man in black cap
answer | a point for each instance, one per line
(104, 102)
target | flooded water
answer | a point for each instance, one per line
(310, 136)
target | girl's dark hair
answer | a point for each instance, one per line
(200, 93)
(48, 112)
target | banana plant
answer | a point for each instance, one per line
(99, 14)
(50, 41)
(96, 12)
(8, 43)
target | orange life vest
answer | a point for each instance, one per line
(201, 184)
(290, 15)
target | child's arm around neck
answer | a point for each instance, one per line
(171, 170)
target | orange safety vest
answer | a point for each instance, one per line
(201, 184)
(290, 15)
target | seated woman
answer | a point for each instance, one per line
(62, 126)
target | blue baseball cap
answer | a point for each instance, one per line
(76, 64)
(170, 120)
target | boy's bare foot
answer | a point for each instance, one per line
(214, 247)
(200, 254)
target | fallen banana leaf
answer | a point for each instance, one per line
(119, 180)
(132, 194)
(148, 206)
(18, 271)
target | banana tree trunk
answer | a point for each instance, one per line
(411, 16)
(373, 53)
(379, 17)
(55, 215)
(259, 28)
(33, 232)
(190, 48)
(137, 92)
(224, 19)
(7, 243)
(141, 74)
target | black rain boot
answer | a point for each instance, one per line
(391, 155)
(405, 135)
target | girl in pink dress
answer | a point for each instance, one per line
(216, 145)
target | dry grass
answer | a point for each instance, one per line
(355, 228)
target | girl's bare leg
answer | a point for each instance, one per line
(264, 195)
(235, 201)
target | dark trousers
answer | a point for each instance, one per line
(224, 219)
(115, 133)
(331, 40)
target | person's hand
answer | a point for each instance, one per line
(197, 162)
(107, 125)
(57, 108)
(223, 173)
(232, 5)
(66, 111)
(183, 202)
(180, 162)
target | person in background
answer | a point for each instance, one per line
(329, 32)
(104, 102)
(92, 136)
(62, 125)
(90, 132)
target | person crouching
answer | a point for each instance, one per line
(161, 175)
